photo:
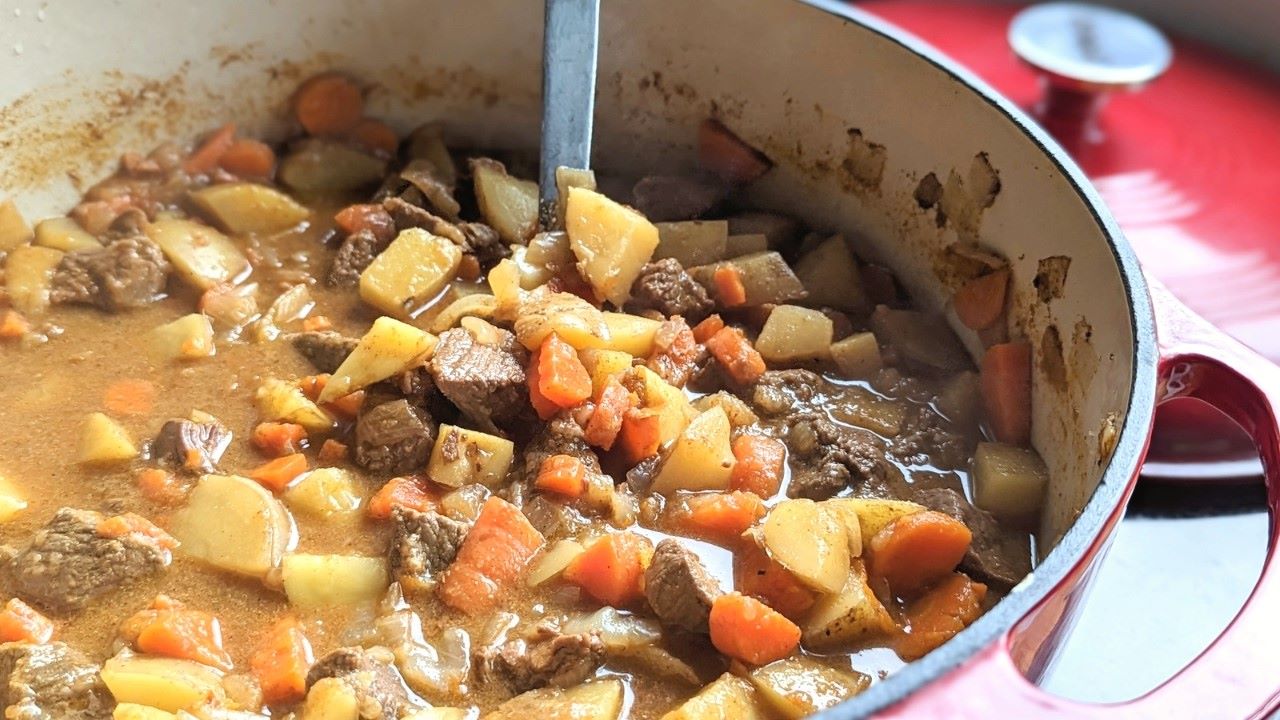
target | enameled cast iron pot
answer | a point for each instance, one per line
(860, 118)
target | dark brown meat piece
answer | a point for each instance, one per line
(666, 287)
(549, 657)
(423, 544)
(393, 437)
(560, 436)
(380, 691)
(679, 588)
(997, 556)
(667, 198)
(67, 563)
(407, 215)
(486, 382)
(129, 272)
(355, 254)
(325, 349)
(421, 174)
(191, 446)
(50, 680)
(483, 242)
(640, 477)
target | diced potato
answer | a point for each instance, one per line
(960, 400)
(570, 317)
(766, 277)
(427, 143)
(611, 241)
(65, 234)
(463, 456)
(604, 364)
(190, 337)
(312, 581)
(631, 334)
(325, 492)
(12, 501)
(693, 242)
(566, 178)
(280, 401)
(673, 408)
(595, 700)
(553, 561)
(810, 542)
(14, 230)
(202, 256)
(739, 245)
(740, 414)
(1008, 481)
(864, 409)
(874, 514)
(845, 510)
(701, 459)
(779, 230)
(28, 272)
(243, 207)
(849, 616)
(795, 334)
(831, 276)
(320, 166)
(167, 684)
(440, 713)
(508, 204)
(133, 711)
(729, 697)
(330, 699)
(234, 524)
(289, 306)
(857, 356)
(102, 440)
(798, 687)
(413, 269)
(387, 348)
(920, 339)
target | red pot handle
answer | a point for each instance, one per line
(1238, 675)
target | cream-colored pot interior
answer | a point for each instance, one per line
(853, 120)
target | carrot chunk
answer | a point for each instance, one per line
(1006, 391)
(13, 325)
(375, 136)
(206, 157)
(979, 303)
(281, 661)
(328, 104)
(562, 378)
(611, 569)
(129, 396)
(760, 464)
(606, 420)
(746, 629)
(760, 576)
(249, 158)
(168, 628)
(721, 517)
(161, 487)
(729, 288)
(492, 558)
(934, 618)
(316, 323)
(276, 439)
(275, 475)
(366, 216)
(332, 452)
(639, 434)
(703, 331)
(543, 405)
(917, 550)
(725, 154)
(19, 622)
(562, 474)
(406, 492)
(732, 350)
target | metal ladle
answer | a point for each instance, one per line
(570, 39)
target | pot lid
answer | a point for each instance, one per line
(1189, 165)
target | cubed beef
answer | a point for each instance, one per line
(68, 562)
(486, 382)
(372, 674)
(407, 215)
(997, 555)
(129, 272)
(421, 174)
(547, 657)
(192, 446)
(423, 544)
(679, 588)
(666, 198)
(355, 254)
(325, 349)
(560, 436)
(50, 680)
(665, 286)
(393, 437)
(483, 242)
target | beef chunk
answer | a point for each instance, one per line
(421, 174)
(560, 436)
(190, 445)
(548, 657)
(50, 680)
(355, 254)
(665, 286)
(380, 691)
(68, 563)
(129, 272)
(394, 437)
(483, 242)
(679, 588)
(997, 556)
(325, 349)
(640, 477)
(408, 215)
(486, 382)
(665, 198)
(424, 544)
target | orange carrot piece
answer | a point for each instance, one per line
(206, 157)
(405, 492)
(720, 517)
(979, 303)
(184, 634)
(275, 475)
(676, 353)
(281, 661)
(249, 158)
(375, 136)
(562, 378)
(328, 104)
(562, 474)
(916, 550)
(541, 404)
(365, 216)
(760, 464)
(746, 629)
(348, 405)
(639, 434)
(19, 622)
(492, 558)
(760, 576)
(136, 526)
(276, 439)
(316, 323)
(161, 487)
(312, 385)
(1006, 391)
(13, 325)
(725, 154)
(332, 452)
(606, 420)
(729, 288)
(703, 331)
(732, 350)
(934, 618)
(129, 396)
(611, 569)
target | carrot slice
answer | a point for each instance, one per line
(406, 492)
(13, 325)
(726, 155)
(206, 157)
(365, 216)
(916, 550)
(760, 576)
(732, 350)
(348, 405)
(611, 569)
(276, 439)
(249, 158)
(979, 303)
(703, 331)
(375, 136)
(19, 622)
(720, 517)
(746, 629)
(934, 618)
(729, 288)
(562, 378)
(185, 634)
(639, 434)
(541, 403)
(1006, 391)
(129, 396)
(760, 464)
(606, 420)
(328, 104)
(161, 487)
(275, 475)
(332, 452)
(281, 661)
(492, 558)
(563, 474)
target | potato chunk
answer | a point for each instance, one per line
(190, 337)
(202, 256)
(14, 230)
(389, 347)
(168, 684)
(412, 270)
(103, 441)
(630, 334)
(595, 700)
(795, 334)
(280, 401)
(809, 541)
(567, 177)
(727, 697)
(611, 241)
(325, 492)
(312, 581)
(798, 687)
(831, 276)
(701, 459)
(857, 356)
(28, 272)
(849, 616)
(463, 456)
(249, 207)
(874, 513)
(320, 166)
(1008, 481)
(233, 524)
(765, 276)
(692, 242)
(508, 204)
(63, 233)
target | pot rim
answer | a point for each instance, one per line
(1075, 548)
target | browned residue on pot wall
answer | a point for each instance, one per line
(862, 169)
(1051, 277)
(1052, 363)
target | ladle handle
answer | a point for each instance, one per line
(571, 36)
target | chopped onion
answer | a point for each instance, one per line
(618, 631)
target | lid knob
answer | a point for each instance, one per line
(1083, 52)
